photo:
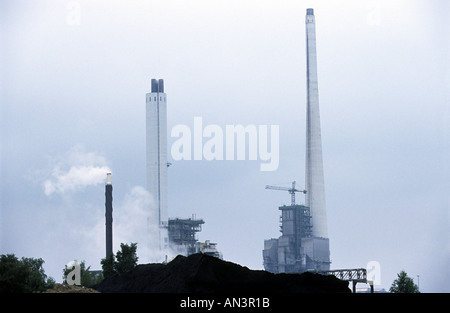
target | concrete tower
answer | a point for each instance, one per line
(315, 187)
(156, 130)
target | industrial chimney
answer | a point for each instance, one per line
(156, 140)
(108, 215)
(314, 182)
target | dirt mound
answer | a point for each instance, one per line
(63, 288)
(200, 273)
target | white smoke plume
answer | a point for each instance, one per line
(76, 170)
(136, 221)
(133, 223)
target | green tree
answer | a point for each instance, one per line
(13, 274)
(126, 258)
(403, 284)
(25, 275)
(124, 261)
(108, 268)
(37, 280)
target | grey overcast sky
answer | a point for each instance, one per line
(74, 75)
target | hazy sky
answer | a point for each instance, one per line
(74, 75)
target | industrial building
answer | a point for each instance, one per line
(183, 239)
(296, 251)
(304, 243)
(182, 233)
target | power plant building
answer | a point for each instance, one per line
(304, 244)
(182, 233)
(183, 239)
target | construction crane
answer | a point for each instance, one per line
(291, 190)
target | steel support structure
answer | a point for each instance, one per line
(357, 275)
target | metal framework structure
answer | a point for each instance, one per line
(182, 232)
(357, 275)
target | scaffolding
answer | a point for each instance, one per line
(182, 232)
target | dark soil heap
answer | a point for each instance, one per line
(200, 273)
(64, 288)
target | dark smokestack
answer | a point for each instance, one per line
(108, 215)
(158, 85)
(161, 85)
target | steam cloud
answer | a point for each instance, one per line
(134, 222)
(75, 171)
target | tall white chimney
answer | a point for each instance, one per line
(315, 186)
(156, 137)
